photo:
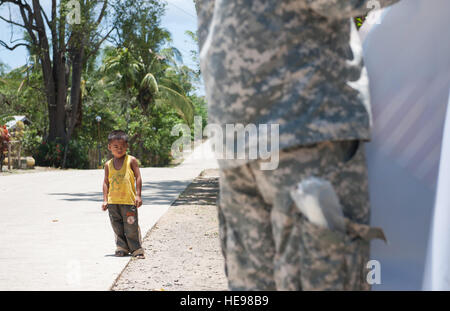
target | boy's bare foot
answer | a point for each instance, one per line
(139, 256)
(120, 254)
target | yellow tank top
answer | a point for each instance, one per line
(122, 188)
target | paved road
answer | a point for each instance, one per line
(54, 235)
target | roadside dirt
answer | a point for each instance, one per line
(182, 249)
(36, 169)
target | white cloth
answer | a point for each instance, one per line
(437, 269)
(408, 61)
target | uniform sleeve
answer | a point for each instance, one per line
(347, 8)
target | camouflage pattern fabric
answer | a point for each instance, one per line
(267, 242)
(296, 63)
(124, 221)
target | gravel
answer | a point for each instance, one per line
(183, 248)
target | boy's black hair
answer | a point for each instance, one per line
(117, 134)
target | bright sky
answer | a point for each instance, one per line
(180, 16)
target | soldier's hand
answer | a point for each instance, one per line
(105, 206)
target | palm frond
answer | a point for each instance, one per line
(182, 104)
(172, 55)
(149, 83)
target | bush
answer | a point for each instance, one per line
(31, 141)
(150, 138)
(51, 154)
(77, 155)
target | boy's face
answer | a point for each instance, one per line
(118, 147)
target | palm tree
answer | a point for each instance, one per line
(159, 82)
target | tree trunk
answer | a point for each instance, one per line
(56, 95)
(55, 73)
(75, 93)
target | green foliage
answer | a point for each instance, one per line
(150, 139)
(51, 154)
(139, 27)
(359, 21)
(201, 110)
(154, 83)
(138, 84)
(22, 94)
(31, 141)
(4, 119)
(195, 55)
(3, 69)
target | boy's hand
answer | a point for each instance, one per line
(105, 206)
(138, 201)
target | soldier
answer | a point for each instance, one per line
(296, 63)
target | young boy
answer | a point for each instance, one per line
(121, 197)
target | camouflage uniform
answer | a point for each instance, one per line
(268, 244)
(296, 63)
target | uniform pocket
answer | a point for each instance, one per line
(334, 260)
(349, 151)
(322, 257)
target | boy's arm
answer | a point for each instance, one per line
(105, 188)
(137, 174)
(347, 8)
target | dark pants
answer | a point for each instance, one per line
(124, 221)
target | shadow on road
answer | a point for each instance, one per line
(162, 193)
(202, 191)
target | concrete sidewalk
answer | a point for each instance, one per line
(54, 235)
(183, 249)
